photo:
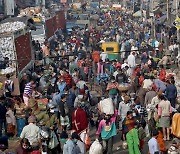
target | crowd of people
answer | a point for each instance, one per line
(138, 97)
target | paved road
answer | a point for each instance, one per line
(117, 143)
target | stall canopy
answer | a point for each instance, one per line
(137, 14)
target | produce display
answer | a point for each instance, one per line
(7, 47)
(11, 26)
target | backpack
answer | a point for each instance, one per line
(9, 86)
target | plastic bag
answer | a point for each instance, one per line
(106, 106)
(96, 148)
(53, 141)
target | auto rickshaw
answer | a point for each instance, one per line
(112, 49)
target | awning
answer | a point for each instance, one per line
(137, 14)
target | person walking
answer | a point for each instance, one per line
(31, 131)
(3, 111)
(11, 121)
(171, 92)
(164, 112)
(28, 92)
(131, 60)
(153, 144)
(107, 130)
(9, 86)
(131, 132)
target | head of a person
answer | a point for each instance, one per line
(6, 60)
(126, 99)
(161, 97)
(24, 76)
(32, 119)
(8, 76)
(113, 79)
(64, 136)
(152, 77)
(75, 137)
(126, 67)
(130, 115)
(161, 66)
(25, 144)
(119, 70)
(9, 107)
(61, 80)
(32, 81)
(155, 133)
(133, 53)
(172, 81)
(63, 97)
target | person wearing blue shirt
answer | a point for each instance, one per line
(171, 92)
(153, 144)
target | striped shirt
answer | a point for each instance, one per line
(28, 89)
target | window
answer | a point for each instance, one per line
(109, 49)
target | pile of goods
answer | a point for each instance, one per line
(124, 87)
(11, 27)
(30, 11)
(7, 47)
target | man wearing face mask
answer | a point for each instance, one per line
(71, 146)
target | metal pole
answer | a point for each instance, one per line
(168, 11)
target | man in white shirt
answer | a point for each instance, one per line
(131, 60)
(153, 144)
(31, 131)
(104, 56)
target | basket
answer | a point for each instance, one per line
(123, 88)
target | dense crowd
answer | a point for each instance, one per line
(57, 110)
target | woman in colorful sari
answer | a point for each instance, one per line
(131, 132)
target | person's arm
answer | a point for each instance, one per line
(159, 110)
(22, 134)
(119, 109)
(99, 128)
(175, 92)
(146, 100)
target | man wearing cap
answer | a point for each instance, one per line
(131, 62)
(31, 131)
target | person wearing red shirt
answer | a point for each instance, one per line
(162, 74)
(68, 78)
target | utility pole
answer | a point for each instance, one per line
(168, 11)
